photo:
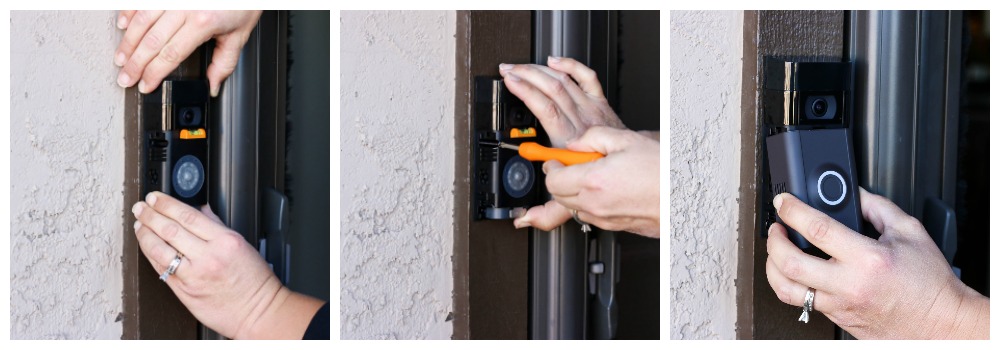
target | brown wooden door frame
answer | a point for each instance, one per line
(490, 257)
(802, 35)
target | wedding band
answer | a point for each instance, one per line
(585, 227)
(171, 269)
(807, 305)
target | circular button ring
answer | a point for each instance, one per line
(819, 187)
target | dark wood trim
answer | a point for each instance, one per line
(749, 198)
(802, 35)
(150, 310)
(490, 257)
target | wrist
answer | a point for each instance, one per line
(285, 316)
(972, 316)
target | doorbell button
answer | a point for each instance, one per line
(831, 185)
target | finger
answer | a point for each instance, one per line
(151, 45)
(124, 17)
(602, 139)
(545, 217)
(583, 75)
(190, 219)
(566, 181)
(794, 293)
(139, 24)
(821, 230)
(158, 252)
(224, 60)
(884, 215)
(544, 109)
(556, 86)
(168, 230)
(797, 265)
(207, 210)
(187, 39)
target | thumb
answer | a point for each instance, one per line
(224, 59)
(602, 139)
(544, 217)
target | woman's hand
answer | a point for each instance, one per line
(565, 108)
(222, 280)
(156, 42)
(620, 192)
(899, 286)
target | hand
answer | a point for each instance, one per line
(156, 42)
(899, 286)
(222, 280)
(620, 192)
(566, 109)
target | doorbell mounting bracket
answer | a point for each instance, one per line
(502, 180)
(177, 151)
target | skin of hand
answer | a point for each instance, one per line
(222, 280)
(156, 42)
(566, 97)
(620, 192)
(897, 287)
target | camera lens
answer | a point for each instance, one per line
(189, 117)
(819, 107)
(822, 107)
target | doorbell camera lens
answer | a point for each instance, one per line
(821, 107)
(189, 117)
(518, 177)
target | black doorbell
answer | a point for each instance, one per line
(177, 151)
(809, 148)
(502, 180)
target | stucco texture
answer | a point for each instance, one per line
(397, 174)
(705, 65)
(66, 133)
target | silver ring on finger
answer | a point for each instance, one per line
(807, 305)
(585, 227)
(172, 268)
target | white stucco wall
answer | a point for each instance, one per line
(397, 171)
(66, 167)
(705, 67)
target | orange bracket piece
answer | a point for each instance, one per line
(522, 133)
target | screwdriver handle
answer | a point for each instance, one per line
(535, 152)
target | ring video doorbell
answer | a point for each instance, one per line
(809, 149)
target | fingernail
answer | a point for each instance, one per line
(518, 212)
(121, 22)
(137, 209)
(142, 86)
(777, 202)
(512, 77)
(555, 59)
(123, 80)
(137, 225)
(120, 59)
(150, 199)
(215, 91)
(506, 67)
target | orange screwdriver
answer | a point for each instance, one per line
(538, 153)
